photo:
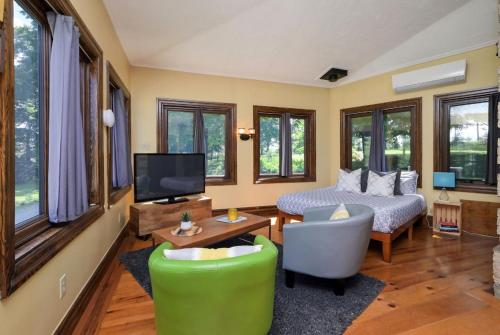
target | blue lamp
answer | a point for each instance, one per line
(444, 180)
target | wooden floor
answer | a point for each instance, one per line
(434, 286)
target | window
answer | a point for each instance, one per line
(361, 130)
(29, 117)
(284, 145)
(28, 239)
(400, 129)
(115, 193)
(201, 127)
(465, 138)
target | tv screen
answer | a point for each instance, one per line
(166, 176)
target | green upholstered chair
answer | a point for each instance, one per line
(220, 297)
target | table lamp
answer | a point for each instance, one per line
(444, 180)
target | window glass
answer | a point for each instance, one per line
(468, 140)
(28, 116)
(180, 132)
(397, 134)
(215, 142)
(361, 139)
(269, 145)
(298, 144)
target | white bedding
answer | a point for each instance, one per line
(390, 212)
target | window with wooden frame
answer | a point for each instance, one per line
(464, 123)
(28, 239)
(114, 83)
(402, 129)
(284, 145)
(201, 127)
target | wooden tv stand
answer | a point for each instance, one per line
(146, 217)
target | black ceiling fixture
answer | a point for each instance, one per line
(334, 74)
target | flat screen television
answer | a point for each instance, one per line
(167, 176)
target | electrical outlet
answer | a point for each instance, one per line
(62, 286)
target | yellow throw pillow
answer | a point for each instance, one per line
(208, 254)
(340, 213)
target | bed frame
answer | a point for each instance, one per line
(385, 238)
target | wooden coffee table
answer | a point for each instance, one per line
(213, 231)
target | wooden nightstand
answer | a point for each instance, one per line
(447, 218)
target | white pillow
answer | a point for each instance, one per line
(196, 254)
(408, 182)
(381, 185)
(349, 181)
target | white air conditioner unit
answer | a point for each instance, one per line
(430, 76)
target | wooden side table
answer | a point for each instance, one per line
(447, 218)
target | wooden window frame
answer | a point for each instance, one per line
(347, 114)
(24, 252)
(113, 79)
(309, 145)
(441, 138)
(163, 105)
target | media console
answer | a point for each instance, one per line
(147, 217)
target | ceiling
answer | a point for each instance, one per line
(297, 41)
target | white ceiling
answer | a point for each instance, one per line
(296, 41)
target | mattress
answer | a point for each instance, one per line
(390, 212)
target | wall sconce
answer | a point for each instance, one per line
(246, 134)
(108, 118)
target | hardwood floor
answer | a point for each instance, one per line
(434, 286)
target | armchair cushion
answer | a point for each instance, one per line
(198, 254)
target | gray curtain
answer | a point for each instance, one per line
(491, 173)
(377, 146)
(286, 146)
(67, 175)
(199, 133)
(122, 166)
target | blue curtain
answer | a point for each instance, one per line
(377, 146)
(67, 175)
(121, 163)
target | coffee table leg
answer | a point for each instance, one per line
(269, 231)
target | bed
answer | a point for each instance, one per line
(393, 215)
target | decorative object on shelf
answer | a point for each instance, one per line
(246, 134)
(447, 218)
(108, 118)
(444, 180)
(186, 223)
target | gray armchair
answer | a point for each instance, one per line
(327, 249)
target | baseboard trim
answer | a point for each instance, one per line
(76, 311)
(257, 210)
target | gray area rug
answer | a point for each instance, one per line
(309, 308)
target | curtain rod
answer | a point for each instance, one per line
(55, 11)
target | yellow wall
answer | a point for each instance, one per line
(149, 84)
(35, 308)
(481, 73)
